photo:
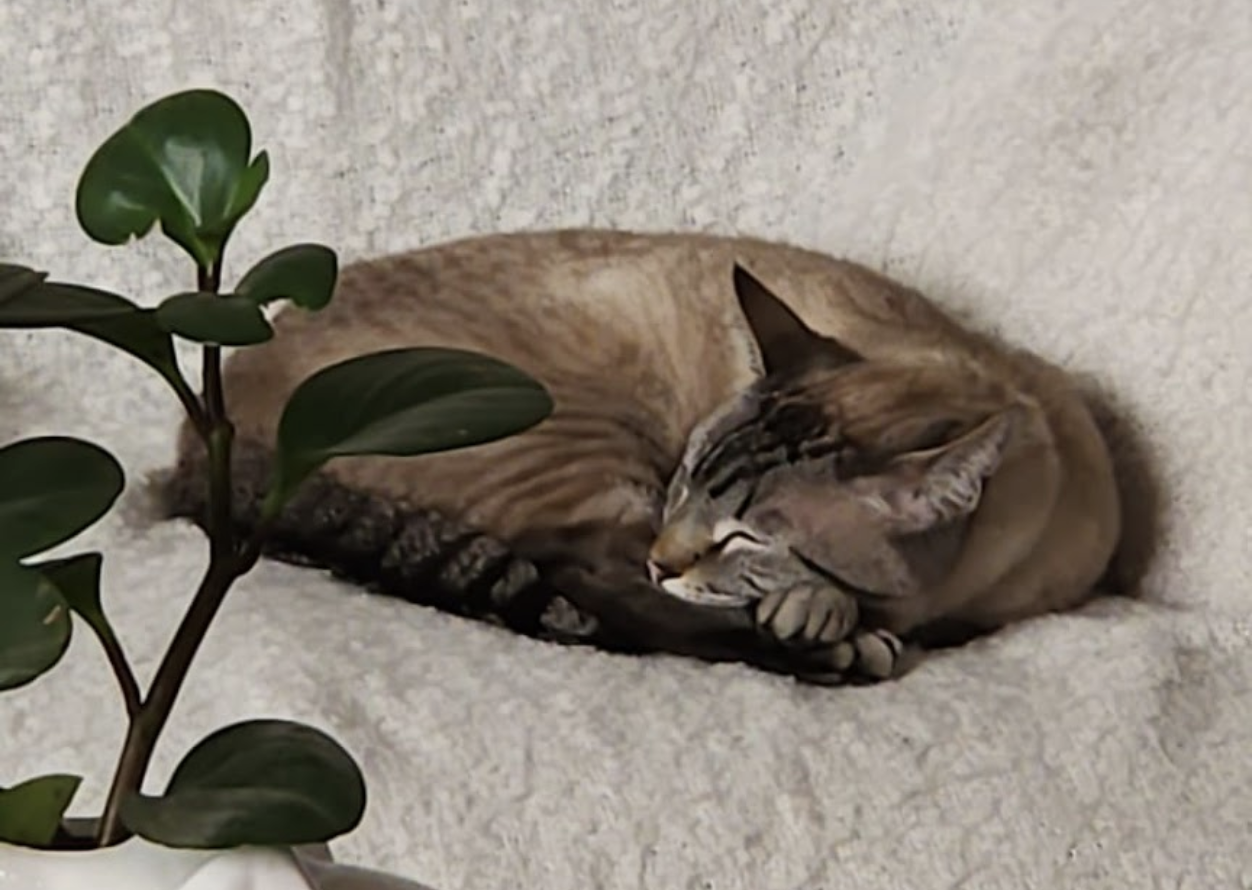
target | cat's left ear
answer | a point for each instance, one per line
(785, 341)
(922, 490)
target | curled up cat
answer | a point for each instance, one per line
(758, 453)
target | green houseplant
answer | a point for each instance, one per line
(183, 165)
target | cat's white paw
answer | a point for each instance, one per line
(877, 654)
(808, 615)
(866, 656)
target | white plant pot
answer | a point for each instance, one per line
(138, 864)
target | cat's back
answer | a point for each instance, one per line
(625, 314)
(518, 291)
(637, 336)
(648, 319)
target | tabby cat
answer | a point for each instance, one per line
(758, 454)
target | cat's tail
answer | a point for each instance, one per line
(418, 555)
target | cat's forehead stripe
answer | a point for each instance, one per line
(785, 429)
(733, 443)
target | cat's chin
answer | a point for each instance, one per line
(701, 595)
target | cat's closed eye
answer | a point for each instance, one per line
(736, 538)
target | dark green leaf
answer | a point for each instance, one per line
(58, 305)
(404, 402)
(34, 625)
(30, 813)
(250, 185)
(15, 279)
(182, 161)
(209, 318)
(262, 782)
(302, 273)
(51, 488)
(138, 334)
(78, 580)
(95, 313)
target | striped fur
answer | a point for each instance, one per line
(661, 390)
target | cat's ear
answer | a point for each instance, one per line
(921, 490)
(786, 342)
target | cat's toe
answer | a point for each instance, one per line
(807, 615)
(878, 654)
(826, 665)
(781, 614)
(839, 623)
(842, 656)
(767, 607)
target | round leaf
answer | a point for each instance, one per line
(209, 318)
(404, 402)
(30, 813)
(34, 625)
(258, 782)
(51, 488)
(302, 273)
(183, 162)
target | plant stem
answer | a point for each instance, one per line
(221, 435)
(227, 561)
(121, 669)
(145, 728)
(191, 404)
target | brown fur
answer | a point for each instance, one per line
(639, 338)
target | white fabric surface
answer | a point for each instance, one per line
(1074, 173)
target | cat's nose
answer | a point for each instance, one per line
(674, 551)
(660, 572)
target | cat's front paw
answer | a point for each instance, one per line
(866, 656)
(875, 655)
(820, 623)
(807, 615)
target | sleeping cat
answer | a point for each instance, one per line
(758, 453)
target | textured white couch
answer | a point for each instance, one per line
(1076, 174)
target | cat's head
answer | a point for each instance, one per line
(862, 472)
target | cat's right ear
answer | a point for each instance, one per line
(785, 341)
(923, 490)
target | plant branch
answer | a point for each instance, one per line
(145, 728)
(226, 564)
(121, 668)
(221, 433)
(191, 404)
